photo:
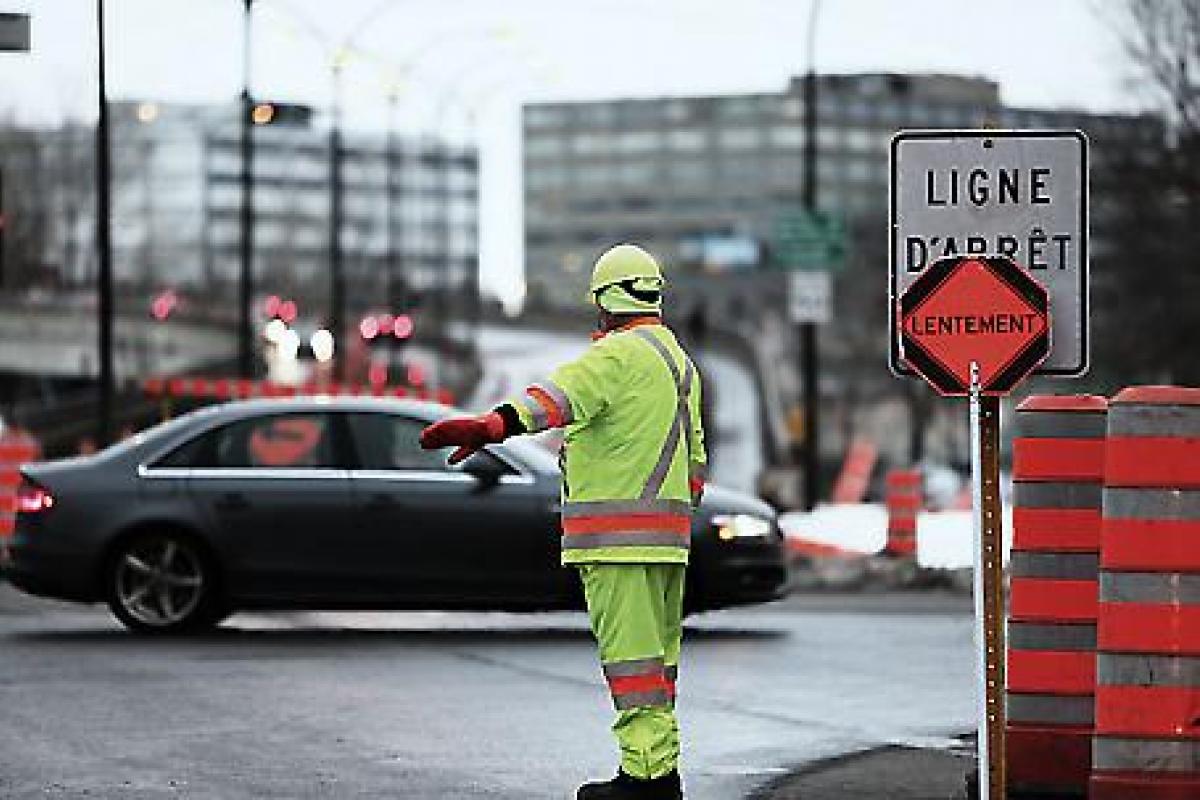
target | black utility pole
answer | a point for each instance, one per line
(104, 421)
(246, 272)
(395, 282)
(809, 366)
(337, 281)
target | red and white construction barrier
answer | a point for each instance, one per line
(220, 389)
(16, 448)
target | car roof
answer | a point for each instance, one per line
(170, 433)
(237, 409)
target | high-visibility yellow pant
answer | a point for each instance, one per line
(636, 612)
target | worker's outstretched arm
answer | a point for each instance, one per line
(574, 393)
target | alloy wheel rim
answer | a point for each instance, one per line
(159, 581)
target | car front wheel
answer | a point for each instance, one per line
(163, 583)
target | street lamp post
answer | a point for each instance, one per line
(104, 426)
(396, 291)
(337, 280)
(246, 271)
(809, 364)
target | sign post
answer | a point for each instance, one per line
(989, 587)
(976, 326)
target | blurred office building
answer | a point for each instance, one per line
(177, 202)
(713, 184)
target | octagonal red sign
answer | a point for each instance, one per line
(982, 309)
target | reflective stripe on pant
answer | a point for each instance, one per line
(636, 612)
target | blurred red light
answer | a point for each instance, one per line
(385, 323)
(162, 305)
(271, 305)
(402, 327)
(416, 374)
(377, 375)
(288, 311)
(32, 498)
(369, 328)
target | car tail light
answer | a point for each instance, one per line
(32, 499)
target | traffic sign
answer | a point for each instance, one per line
(14, 33)
(808, 240)
(981, 312)
(810, 297)
(1021, 194)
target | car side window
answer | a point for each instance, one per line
(391, 442)
(281, 441)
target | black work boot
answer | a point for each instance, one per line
(627, 787)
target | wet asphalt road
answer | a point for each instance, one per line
(431, 705)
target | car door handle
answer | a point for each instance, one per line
(232, 501)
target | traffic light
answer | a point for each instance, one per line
(269, 112)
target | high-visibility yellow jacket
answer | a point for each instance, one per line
(634, 445)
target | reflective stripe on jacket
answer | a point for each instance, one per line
(631, 409)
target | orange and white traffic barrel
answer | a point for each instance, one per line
(16, 448)
(1147, 741)
(903, 498)
(1058, 466)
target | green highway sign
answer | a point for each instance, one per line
(808, 240)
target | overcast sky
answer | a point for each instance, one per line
(492, 54)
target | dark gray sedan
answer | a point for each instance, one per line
(324, 503)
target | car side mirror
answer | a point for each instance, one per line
(485, 468)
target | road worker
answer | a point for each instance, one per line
(633, 469)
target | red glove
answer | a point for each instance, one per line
(469, 433)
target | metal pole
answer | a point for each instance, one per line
(989, 588)
(246, 272)
(104, 420)
(394, 301)
(337, 281)
(809, 360)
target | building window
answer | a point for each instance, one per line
(545, 177)
(686, 139)
(591, 175)
(590, 144)
(596, 114)
(689, 172)
(737, 107)
(860, 141)
(543, 116)
(678, 110)
(742, 171)
(858, 110)
(739, 138)
(544, 146)
(787, 136)
(862, 170)
(639, 141)
(637, 174)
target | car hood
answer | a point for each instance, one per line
(719, 500)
